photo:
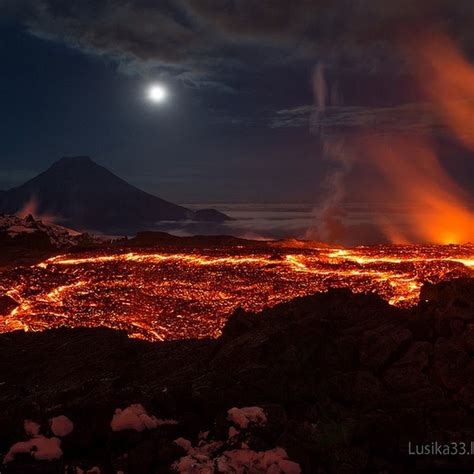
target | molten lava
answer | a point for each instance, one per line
(161, 295)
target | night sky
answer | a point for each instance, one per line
(240, 74)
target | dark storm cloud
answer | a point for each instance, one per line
(117, 28)
(204, 36)
(336, 29)
(231, 46)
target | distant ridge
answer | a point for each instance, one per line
(79, 193)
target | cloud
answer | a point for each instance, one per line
(204, 37)
(338, 30)
(229, 46)
(116, 28)
(414, 118)
(138, 35)
(409, 117)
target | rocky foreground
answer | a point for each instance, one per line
(346, 382)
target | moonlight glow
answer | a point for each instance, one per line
(157, 93)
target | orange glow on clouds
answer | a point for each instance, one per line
(447, 79)
(409, 170)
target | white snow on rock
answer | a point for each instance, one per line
(184, 443)
(13, 227)
(233, 432)
(59, 236)
(289, 467)
(199, 460)
(242, 417)
(40, 448)
(210, 457)
(31, 428)
(206, 458)
(135, 417)
(19, 229)
(61, 425)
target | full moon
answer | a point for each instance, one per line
(157, 93)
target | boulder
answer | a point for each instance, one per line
(7, 304)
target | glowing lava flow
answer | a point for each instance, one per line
(162, 295)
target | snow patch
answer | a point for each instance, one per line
(184, 443)
(206, 459)
(31, 428)
(242, 417)
(19, 229)
(61, 425)
(135, 417)
(15, 226)
(233, 432)
(210, 457)
(40, 448)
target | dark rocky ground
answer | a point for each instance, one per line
(347, 381)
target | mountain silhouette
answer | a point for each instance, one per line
(79, 193)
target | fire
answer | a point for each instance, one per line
(162, 295)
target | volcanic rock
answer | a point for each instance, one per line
(346, 381)
(452, 364)
(450, 303)
(7, 304)
(32, 233)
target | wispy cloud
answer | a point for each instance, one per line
(411, 117)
